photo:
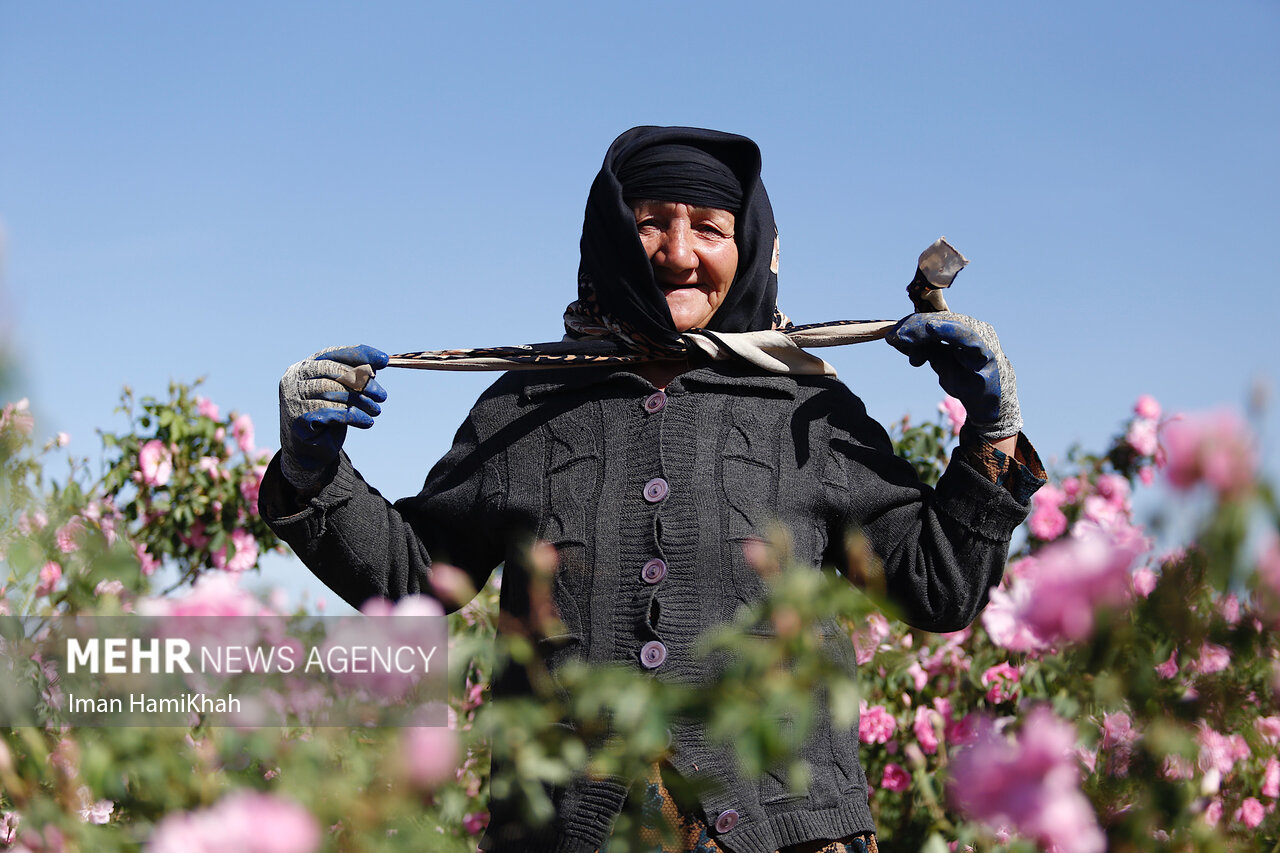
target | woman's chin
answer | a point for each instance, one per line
(689, 307)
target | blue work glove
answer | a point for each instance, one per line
(966, 355)
(319, 398)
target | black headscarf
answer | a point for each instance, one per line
(615, 275)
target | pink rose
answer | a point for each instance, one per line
(18, 416)
(1005, 619)
(1212, 658)
(1269, 729)
(1271, 778)
(1213, 812)
(242, 430)
(1115, 489)
(50, 574)
(1147, 407)
(1031, 783)
(895, 778)
(955, 412)
(1072, 487)
(475, 822)
(251, 486)
(925, 727)
(241, 821)
(430, 755)
(155, 462)
(1118, 738)
(1250, 813)
(1047, 523)
(1169, 668)
(1049, 497)
(245, 554)
(1143, 437)
(69, 535)
(1217, 449)
(148, 563)
(1001, 682)
(876, 724)
(1218, 751)
(207, 408)
(1144, 581)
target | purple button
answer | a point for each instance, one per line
(654, 570)
(655, 490)
(728, 820)
(652, 654)
(655, 401)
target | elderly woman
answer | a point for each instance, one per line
(649, 477)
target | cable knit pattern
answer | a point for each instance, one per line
(726, 453)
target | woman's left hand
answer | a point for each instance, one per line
(971, 366)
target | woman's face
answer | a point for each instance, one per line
(693, 254)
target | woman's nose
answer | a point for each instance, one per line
(676, 251)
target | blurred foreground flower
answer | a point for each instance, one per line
(1216, 448)
(1031, 783)
(243, 822)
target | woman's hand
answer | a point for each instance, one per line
(319, 398)
(966, 355)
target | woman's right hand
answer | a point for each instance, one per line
(319, 398)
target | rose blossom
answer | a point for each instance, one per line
(245, 556)
(68, 535)
(1169, 668)
(19, 415)
(1212, 658)
(1269, 729)
(1142, 436)
(1271, 778)
(148, 563)
(1216, 448)
(1002, 682)
(208, 408)
(1047, 523)
(876, 724)
(242, 821)
(242, 430)
(90, 811)
(925, 728)
(1144, 581)
(895, 778)
(1218, 751)
(955, 412)
(1031, 783)
(1147, 407)
(430, 755)
(50, 574)
(155, 462)
(1250, 813)
(1118, 738)
(475, 822)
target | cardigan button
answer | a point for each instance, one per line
(652, 654)
(655, 490)
(728, 820)
(655, 401)
(654, 570)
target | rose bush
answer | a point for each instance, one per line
(1122, 689)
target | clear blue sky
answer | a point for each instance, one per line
(221, 189)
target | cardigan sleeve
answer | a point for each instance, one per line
(935, 552)
(363, 546)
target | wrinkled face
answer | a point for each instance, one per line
(693, 254)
